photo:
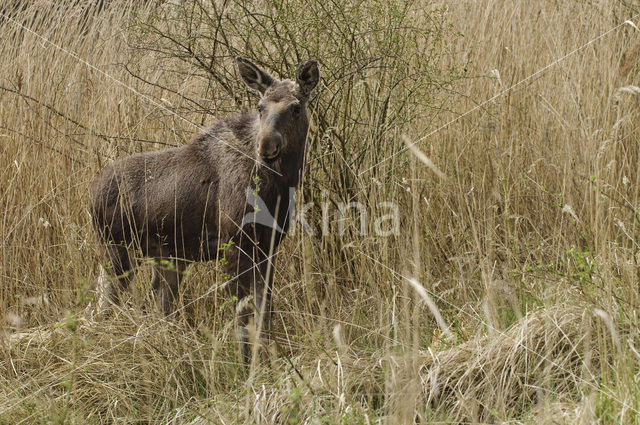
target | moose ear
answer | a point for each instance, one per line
(307, 77)
(254, 76)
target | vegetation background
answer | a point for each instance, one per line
(510, 293)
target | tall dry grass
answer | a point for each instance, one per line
(528, 249)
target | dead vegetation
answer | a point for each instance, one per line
(522, 230)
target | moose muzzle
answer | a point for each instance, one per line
(269, 145)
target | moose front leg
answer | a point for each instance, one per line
(253, 311)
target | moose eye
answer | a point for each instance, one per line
(261, 109)
(295, 108)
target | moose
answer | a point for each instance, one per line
(187, 204)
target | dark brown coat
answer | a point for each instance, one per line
(183, 204)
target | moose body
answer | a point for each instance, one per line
(188, 203)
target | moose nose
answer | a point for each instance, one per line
(270, 145)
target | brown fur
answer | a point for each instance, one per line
(183, 204)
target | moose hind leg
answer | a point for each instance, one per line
(165, 282)
(109, 288)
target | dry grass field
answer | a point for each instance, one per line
(508, 294)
